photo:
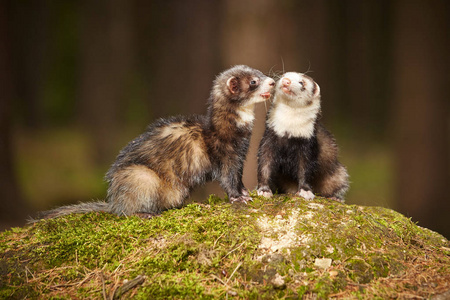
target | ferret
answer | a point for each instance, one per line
(157, 170)
(296, 153)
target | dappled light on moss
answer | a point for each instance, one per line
(270, 248)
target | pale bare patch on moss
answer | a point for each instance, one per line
(280, 232)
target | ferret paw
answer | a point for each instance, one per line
(144, 215)
(265, 193)
(308, 195)
(337, 199)
(245, 192)
(241, 199)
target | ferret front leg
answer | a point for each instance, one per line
(265, 167)
(304, 189)
(231, 182)
(264, 173)
(244, 190)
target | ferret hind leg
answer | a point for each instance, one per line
(334, 185)
(138, 189)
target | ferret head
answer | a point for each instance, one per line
(296, 106)
(242, 86)
(297, 89)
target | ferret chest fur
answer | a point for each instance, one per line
(246, 115)
(290, 121)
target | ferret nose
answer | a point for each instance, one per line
(286, 82)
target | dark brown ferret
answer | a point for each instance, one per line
(296, 153)
(157, 170)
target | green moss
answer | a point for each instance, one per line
(323, 287)
(359, 271)
(219, 250)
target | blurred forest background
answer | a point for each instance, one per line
(80, 79)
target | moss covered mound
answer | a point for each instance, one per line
(272, 248)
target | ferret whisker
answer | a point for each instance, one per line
(271, 71)
(282, 63)
(309, 68)
(277, 76)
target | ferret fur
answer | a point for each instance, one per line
(296, 153)
(157, 170)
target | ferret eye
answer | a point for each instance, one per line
(253, 83)
(301, 83)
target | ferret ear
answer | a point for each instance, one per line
(316, 89)
(233, 85)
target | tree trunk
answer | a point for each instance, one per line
(106, 67)
(181, 60)
(29, 28)
(421, 112)
(14, 209)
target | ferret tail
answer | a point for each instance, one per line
(81, 208)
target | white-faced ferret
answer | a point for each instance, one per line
(157, 170)
(297, 154)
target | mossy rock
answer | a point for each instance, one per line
(269, 249)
